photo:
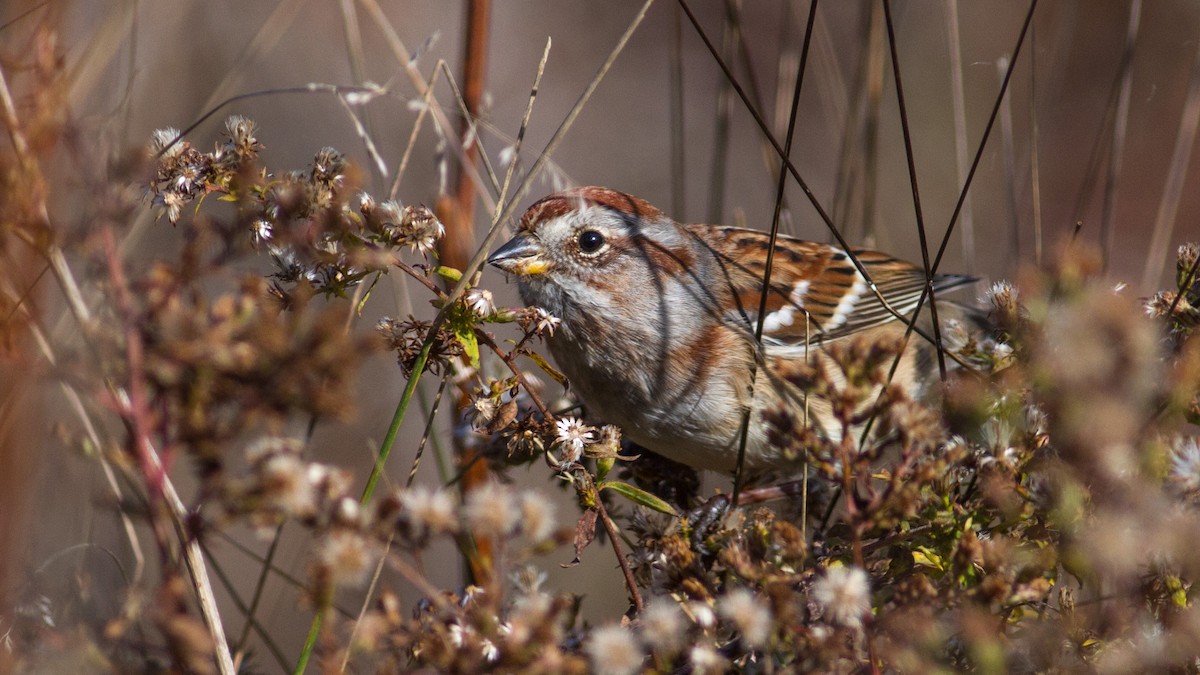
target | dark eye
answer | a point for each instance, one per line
(590, 241)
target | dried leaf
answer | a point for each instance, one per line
(585, 532)
(504, 417)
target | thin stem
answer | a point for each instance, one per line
(1120, 123)
(954, 46)
(774, 236)
(614, 536)
(437, 399)
(259, 586)
(795, 173)
(916, 192)
(675, 80)
(248, 612)
(1008, 151)
(1168, 207)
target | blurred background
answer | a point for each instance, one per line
(1093, 141)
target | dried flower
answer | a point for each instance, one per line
(428, 510)
(663, 626)
(845, 595)
(479, 301)
(241, 132)
(1185, 261)
(749, 614)
(1003, 296)
(1185, 464)
(286, 486)
(546, 322)
(260, 231)
(573, 434)
(413, 226)
(163, 141)
(346, 556)
(702, 614)
(537, 517)
(706, 659)
(329, 166)
(483, 410)
(172, 203)
(613, 651)
(492, 510)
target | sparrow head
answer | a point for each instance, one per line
(577, 233)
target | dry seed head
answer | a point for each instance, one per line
(613, 651)
(845, 595)
(161, 139)
(428, 510)
(346, 556)
(663, 626)
(286, 486)
(749, 614)
(491, 509)
(706, 659)
(537, 517)
(1185, 465)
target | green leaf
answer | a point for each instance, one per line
(365, 296)
(470, 343)
(639, 496)
(924, 556)
(545, 365)
(448, 273)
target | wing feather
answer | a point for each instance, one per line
(817, 293)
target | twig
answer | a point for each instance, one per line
(719, 163)
(675, 77)
(614, 536)
(75, 402)
(437, 399)
(916, 192)
(259, 585)
(251, 622)
(192, 555)
(773, 238)
(792, 170)
(400, 52)
(1035, 169)
(132, 406)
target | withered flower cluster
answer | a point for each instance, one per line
(1039, 516)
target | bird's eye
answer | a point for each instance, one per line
(590, 241)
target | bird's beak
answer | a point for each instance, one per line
(522, 256)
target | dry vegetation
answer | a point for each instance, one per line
(1042, 517)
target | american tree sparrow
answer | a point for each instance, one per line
(658, 318)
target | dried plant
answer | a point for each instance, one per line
(1039, 516)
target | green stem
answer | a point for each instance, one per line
(310, 642)
(394, 429)
(384, 450)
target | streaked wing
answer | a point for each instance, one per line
(819, 281)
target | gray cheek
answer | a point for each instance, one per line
(539, 292)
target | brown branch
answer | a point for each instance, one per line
(614, 535)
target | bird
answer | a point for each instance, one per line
(658, 319)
